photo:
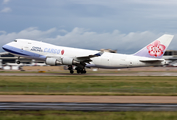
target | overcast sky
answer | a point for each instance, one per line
(124, 25)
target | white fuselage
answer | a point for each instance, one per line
(40, 50)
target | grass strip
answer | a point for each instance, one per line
(79, 115)
(88, 85)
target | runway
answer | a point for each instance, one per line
(88, 106)
(94, 74)
(89, 103)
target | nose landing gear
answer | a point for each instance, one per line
(18, 61)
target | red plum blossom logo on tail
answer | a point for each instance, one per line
(156, 49)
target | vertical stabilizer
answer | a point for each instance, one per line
(157, 48)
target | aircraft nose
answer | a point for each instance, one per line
(5, 47)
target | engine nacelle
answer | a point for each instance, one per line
(53, 61)
(61, 61)
(67, 61)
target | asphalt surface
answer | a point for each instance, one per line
(88, 103)
(94, 74)
(88, 106)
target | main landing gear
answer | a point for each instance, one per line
(79, 70)
(70, 67)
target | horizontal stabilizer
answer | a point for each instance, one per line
(152, 60)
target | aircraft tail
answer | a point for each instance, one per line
(157, 48)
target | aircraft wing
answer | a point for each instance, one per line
(87, 58)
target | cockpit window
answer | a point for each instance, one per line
(15, 40)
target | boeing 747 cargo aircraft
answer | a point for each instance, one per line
(150, 55)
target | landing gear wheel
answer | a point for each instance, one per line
(78, 71)
(83, 72)
(18, 62)
(71, 71)
(70, 67)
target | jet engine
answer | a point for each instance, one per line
(61, 61)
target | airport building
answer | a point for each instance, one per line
(8, 61)
(108, 50)
(171, 53)
(171, 57)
